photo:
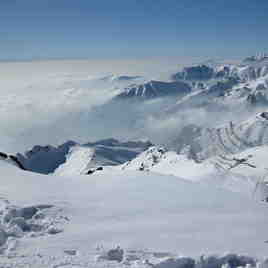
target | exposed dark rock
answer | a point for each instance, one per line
(3, 155)
(264, 115)
(54, 230)
(235, 261)
(223, 73)
(71, 252)
(3, 237)
(17, 161)
(116, 254)
(28, 212)
(260, 87)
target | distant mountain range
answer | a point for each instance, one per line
(218, 89)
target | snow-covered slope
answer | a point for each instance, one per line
(160, 160)
(241, 172)
(77, 161)
(78, 216)
(229, 139)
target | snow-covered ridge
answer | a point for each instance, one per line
(72, 157)
(230, 84)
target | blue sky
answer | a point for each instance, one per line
(34, 29)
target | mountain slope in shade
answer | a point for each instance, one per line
(155, 89)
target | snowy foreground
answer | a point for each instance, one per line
(156, 219)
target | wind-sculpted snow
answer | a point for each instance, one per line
(27, 222)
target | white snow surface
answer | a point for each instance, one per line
(159, 160)
(136, 210)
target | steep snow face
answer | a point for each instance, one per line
(155, 89)
(74, 158)
(135, 210)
